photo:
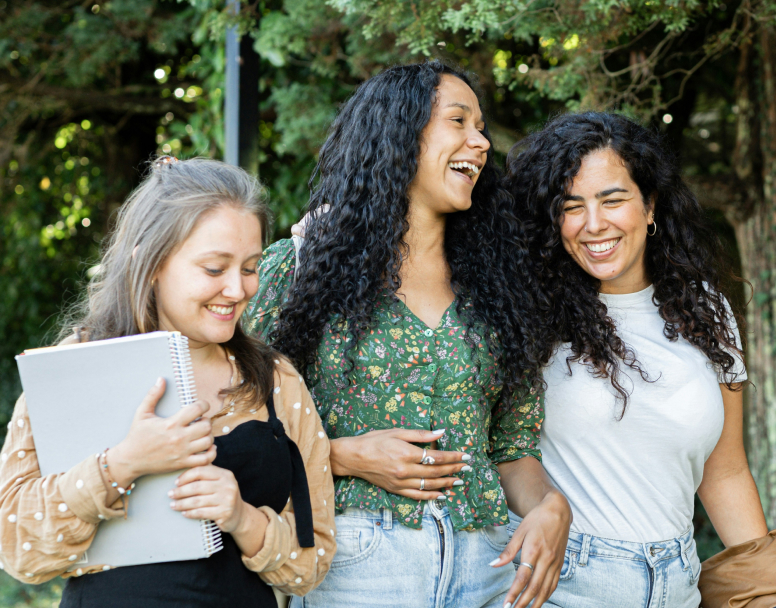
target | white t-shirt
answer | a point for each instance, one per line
(633, 479)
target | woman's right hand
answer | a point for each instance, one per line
(388, 459)
(160, 445)
(300, 227)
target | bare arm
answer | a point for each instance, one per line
(728, 491)
(543, 534)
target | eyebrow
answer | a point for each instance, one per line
(226, 255)
(464, 107)
(601, 194)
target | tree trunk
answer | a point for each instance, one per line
(755, 165)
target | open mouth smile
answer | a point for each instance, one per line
(602, 247)
(226, 312)
(466, 168)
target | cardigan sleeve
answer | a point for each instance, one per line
(282, 562)
(46, 523)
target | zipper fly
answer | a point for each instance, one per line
(436, 513)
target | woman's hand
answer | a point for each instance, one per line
(389, 460)
(209, 492)
(541, 540)
(160, 445)
(298, 229)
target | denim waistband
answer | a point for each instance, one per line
(650, 552)
(386, 516)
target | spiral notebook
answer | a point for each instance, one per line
(81, 399)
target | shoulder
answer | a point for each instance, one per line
(276, 276)
(280, 255)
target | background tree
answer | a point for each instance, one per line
(91, 89)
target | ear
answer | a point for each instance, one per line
(650, 207)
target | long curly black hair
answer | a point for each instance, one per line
(353, 253)
(683, 260)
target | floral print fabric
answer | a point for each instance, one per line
(410, 376)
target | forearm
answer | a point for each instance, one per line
(526, 485)
(733, 505)
(250, 533)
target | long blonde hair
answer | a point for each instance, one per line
(156, 218)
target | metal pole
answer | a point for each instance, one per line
(232, 93)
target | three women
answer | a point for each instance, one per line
(421, 314)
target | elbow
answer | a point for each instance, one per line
(28, 569)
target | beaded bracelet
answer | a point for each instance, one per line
(123, 492)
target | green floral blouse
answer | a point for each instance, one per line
(410, 376)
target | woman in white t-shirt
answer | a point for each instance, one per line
(643, 402)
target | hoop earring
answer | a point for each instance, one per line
(654, 225)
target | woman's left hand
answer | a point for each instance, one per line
(541, 538)
(209, 492)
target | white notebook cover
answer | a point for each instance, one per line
(81, 399)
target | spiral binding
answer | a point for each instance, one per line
(181, 365)
(184, 380)
(211, 537)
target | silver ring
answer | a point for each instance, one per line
(425, 459)
(526, 564)
(423, 487)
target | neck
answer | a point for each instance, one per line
(425, 236)
(204, 353)
(625, 285)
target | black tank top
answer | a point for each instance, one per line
(268, 468)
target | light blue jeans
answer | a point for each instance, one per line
(380, 562)
(604, 573)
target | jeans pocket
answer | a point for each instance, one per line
(497, 536)
(570, 560)
(357, 539)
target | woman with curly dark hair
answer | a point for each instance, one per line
(643, 400)
(409, 309)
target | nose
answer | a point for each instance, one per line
(478, 142)
(595, 221)
(233, 287)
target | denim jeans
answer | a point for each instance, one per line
(380, 562)
(604, 573)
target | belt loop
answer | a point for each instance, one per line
(586, 539)
(387, 519)
(683, 553)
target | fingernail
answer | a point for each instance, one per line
(493, 563)
(170, 493)
(465, 468)
(441, 497)
(466, 457)
(172, 505)
(159, 381)
(458, 482)
(177, 481)
(507, 604)
(439, 431)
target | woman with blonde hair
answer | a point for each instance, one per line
(183, 258)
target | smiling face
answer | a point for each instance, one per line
(204, 285)
(453, 150)
(605, 223)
